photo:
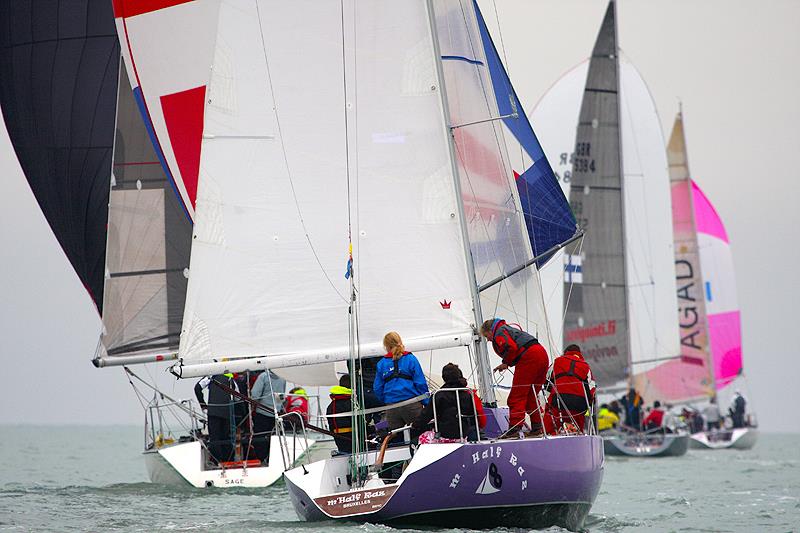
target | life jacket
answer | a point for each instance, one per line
(341, 402)
(655, 418)
(298, 403)
(572, 380)
(479, 409)
(510, 343)
(221, 404)
(396, 373)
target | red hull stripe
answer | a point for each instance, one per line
(183, 113)
(131, 8)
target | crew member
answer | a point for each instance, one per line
(737, 410)
(341, 426)
(712, 415)
(655, 419)
(220, 411)
(522, 351)
(266, 389)
(297, 402)
(398, 378)
(456, 413)
(632, 402)
(572, 390)
(606, 418)
(366, 370)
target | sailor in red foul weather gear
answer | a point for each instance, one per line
(655, 419)
(572, 390)
(297, 402)
(529, 359)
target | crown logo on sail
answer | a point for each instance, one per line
(445, 304)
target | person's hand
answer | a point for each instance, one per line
(501, 367)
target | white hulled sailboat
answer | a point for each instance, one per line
(711, 341)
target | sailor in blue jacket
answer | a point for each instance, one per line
(399, 377)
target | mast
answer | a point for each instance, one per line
(481, 355)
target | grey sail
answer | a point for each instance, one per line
(596, 315)
(149, 240)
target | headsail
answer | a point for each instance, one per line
(719, 287)
(548, 217)
(58, 87)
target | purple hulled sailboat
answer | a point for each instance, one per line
(352, 179)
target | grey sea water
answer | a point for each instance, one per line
(93, 479)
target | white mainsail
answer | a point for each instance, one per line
(335, 135)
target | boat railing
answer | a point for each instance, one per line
(161, 414)
(589, 428)
(289, 456)
(461, 435)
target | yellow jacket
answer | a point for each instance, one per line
(606, 419)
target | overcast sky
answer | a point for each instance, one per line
(733, 63)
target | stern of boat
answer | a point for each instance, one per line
(185, 463)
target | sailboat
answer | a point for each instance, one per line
(98, 171)
(619, 287)
(353, 180)
(710, 320)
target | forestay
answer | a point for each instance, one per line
(305, 144)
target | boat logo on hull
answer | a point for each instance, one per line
(492, 482)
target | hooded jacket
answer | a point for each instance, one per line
(447, 412)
